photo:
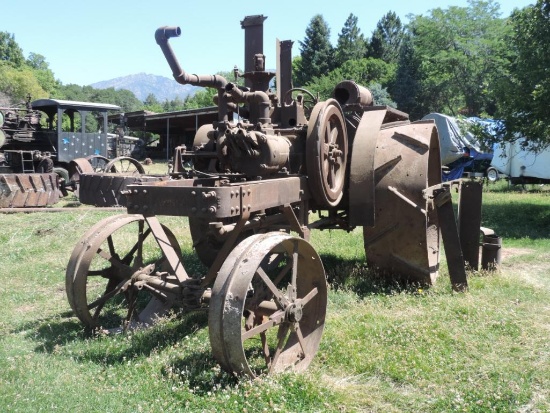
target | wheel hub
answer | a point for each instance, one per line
(294, 312)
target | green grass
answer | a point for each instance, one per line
(386, 347)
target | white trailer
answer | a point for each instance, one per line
(519, 165)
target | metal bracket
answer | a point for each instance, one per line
(167, 248)
(295, 225)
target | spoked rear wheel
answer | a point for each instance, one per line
(102, 281)
(98, 162)
(268, 306)
(124, 165)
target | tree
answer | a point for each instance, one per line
(42, 71)
(386, 40)
(316, 51)
(17, 83)
(351, 43)
(201, 99)
(363, 71)
(523, 97)
(10, 50)
(122, 97)
(459, 54)
(407, 88)
(151, 103)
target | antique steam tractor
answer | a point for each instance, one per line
(258, 172)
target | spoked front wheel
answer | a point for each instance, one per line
(268, 306)
(117, 274)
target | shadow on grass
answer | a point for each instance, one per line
(354, 275)
(54, 333)
(142, 343)
(518, 220)
(200, 372)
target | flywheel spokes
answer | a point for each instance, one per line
(327, 149)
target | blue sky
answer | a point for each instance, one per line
(90, 41)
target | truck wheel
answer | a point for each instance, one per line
(62, 173)
(492, 175)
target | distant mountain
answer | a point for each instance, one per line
(142, 84)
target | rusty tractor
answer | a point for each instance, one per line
(259, 171)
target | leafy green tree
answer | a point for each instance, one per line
(387, 39)
(201, 99)
(363, 71)
(523, 97)
(459, 53)
(316, 52)
(122, 97)
(351, 42)
(42, 71)
(125, 99)
(18, 83)
(381, 95)
(70, 91)
(173, 105)
(37, 62)
(10, 50)
(152, 104)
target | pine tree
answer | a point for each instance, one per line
(351, 42)
(386, 40)
(317, 54)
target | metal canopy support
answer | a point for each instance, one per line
(167, 138)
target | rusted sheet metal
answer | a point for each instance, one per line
(469, 221)
(361, 179)
(186, 198)
(451, 242)
(405, 239)
(28, 190)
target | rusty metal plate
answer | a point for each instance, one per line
(28, 190)
(186, 198)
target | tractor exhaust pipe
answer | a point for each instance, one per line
(162, 35)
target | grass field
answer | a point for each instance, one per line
(386, 348)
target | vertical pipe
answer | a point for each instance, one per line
(284, 70)
(253, 42)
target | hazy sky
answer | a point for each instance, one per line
(89, 41)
